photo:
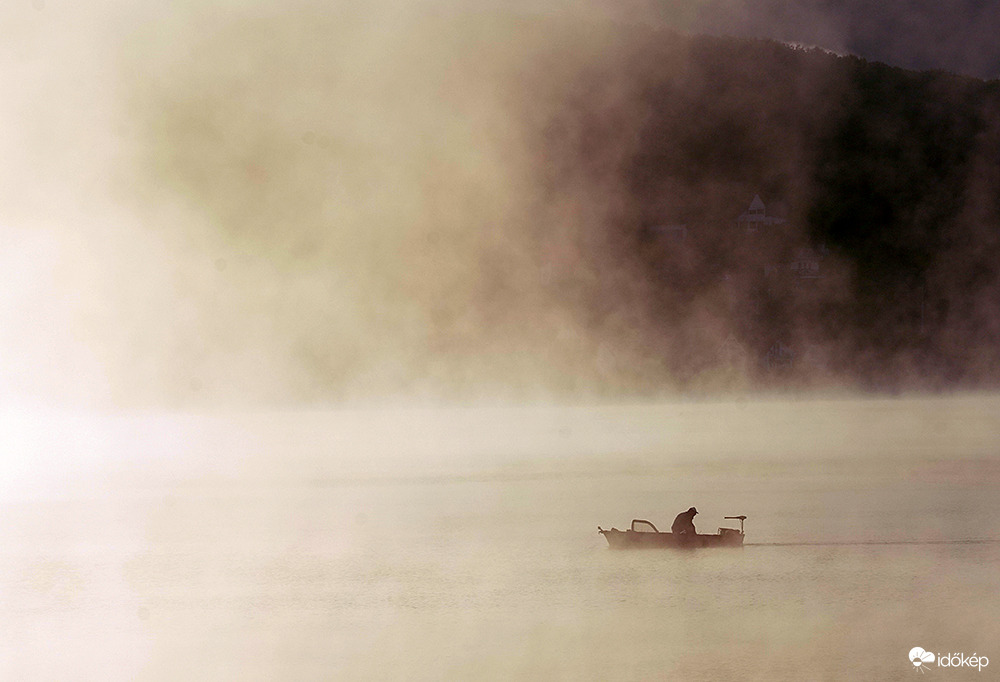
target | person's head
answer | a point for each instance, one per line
(692, 511)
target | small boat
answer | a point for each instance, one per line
(634, 538)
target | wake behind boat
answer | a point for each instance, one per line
(634, 538)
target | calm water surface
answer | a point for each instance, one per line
(490, 569)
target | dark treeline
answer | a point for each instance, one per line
(889, 177)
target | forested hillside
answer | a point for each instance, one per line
(891, 177)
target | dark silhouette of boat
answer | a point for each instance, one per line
(654, 539)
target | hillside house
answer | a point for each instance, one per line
(806, 264)
(778, 355)
(755, 218)
(732, 353)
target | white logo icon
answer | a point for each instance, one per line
(919, 657)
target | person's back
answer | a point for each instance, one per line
(684, 523)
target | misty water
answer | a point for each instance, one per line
(462, 544)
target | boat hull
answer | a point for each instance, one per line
(631, 539)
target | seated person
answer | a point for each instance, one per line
(684, 523)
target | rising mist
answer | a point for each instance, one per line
(306, 203)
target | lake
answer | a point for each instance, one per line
(430, 544)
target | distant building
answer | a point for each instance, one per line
(756, 218)
(778, 355)
(732, 352)
(806, 264)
